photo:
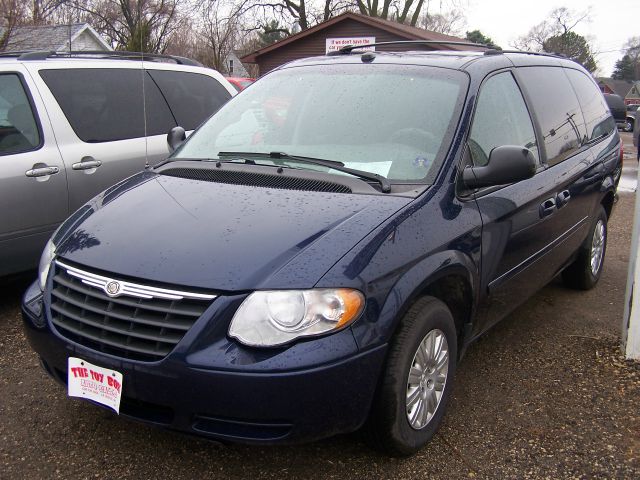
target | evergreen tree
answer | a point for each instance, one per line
(477, 36)
(624, 69)
(272, 32)
(572, 46)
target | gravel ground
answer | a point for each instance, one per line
(545, 394)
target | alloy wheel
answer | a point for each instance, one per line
(427, 379)
(597, 247)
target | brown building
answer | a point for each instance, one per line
(348, 28)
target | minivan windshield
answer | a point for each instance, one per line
(391, 120)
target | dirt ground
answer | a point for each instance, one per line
(545, 394)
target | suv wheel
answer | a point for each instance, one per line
(585, 271)
(417, 381)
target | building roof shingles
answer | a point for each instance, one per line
(620, 87)
(45, 37)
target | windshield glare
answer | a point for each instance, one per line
(391, 120)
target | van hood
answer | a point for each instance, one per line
(217, 236)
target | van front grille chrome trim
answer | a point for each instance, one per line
(115, 288)
(123, 319)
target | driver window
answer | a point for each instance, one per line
(501, 118)
(18, 127)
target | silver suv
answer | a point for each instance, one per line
(73, 125)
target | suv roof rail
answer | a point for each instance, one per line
(115, 54)
(348, 48)
(527, 52)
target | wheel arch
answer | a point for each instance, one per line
(450, 276)
(607, 202)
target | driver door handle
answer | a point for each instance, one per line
(42, 171)
(86, 165)
(563, 198)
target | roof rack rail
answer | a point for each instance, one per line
(17, 54)
(526, 52)
(349, 48)
(114, 54)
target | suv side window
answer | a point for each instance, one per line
(501, 118)
(18, 127)
(104, 105)
(192, 97)
(598, 121)
(557, 110)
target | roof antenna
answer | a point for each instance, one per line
(147, 166)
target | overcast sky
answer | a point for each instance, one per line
(612, 22)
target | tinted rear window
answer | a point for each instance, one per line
(597, 118)
(192, 97)
(557, 110)
(104, 105)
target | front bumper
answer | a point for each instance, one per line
(311, 390)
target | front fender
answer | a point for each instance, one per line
(372, 331)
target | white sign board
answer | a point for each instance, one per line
(334, 44)
(95, 383)
(631, 319)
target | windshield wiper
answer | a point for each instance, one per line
(383, 181)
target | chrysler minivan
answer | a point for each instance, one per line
(317, 256)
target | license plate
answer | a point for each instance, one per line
(102, 385)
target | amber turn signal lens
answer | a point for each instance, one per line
(353, 302)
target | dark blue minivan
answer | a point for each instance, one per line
(316, 257)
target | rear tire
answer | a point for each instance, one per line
(585, 271)
(417, 380)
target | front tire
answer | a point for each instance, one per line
(585, 271)
(417, 380)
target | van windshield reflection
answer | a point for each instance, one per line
(383, 120)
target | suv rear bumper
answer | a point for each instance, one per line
(281, 407)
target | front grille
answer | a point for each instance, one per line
(233, 177)
(139, 322)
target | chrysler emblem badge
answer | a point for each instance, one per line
(112, 288)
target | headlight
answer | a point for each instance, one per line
(45, 263)
(271, 318)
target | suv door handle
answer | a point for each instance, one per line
(547, 207)
(563, 198)
(86, 164)
(42, 171)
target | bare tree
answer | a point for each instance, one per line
(559, 21)
(403, 11)
(452, 22)
(12, 14)
(220, 32)
(43, 11)
(137, 25)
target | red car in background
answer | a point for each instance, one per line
(240, 83)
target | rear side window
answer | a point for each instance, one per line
(557, 110)
(597, 119)
(192, 97)
(18, 127)
(104, 105)
(501, 118)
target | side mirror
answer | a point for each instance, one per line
(507, 164)
(175, 137)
